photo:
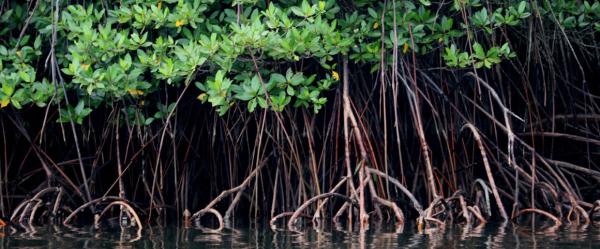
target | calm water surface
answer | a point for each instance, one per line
(489, 236)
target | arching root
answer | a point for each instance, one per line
(486, 165)
(112, 200)
(486, 191)
(557, 221)
(216, 213)
(416, 205)
(238, 190)
(129, 211)
(390, 204)
(543, 186)
(579, 213)
(340, 212)
(477, 213)
(306, 204)
(27, 209)
(273, 221)
(319, 209)
(428, 215)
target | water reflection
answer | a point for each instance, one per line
(501, 235)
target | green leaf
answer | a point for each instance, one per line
(38, 42)
(522, 6)
(372, 12)
(79, 107)
(25, 76)
(277, 78)
(297, 11)
(290, 91)
(479, 52)
(251, 105)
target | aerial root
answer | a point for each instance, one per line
(579, 213)
(306, 204)
(319, 209)
(352, 200)
(595, 212)
(486, 191)
(416, 205)
(273, 221)
(216, 213)
(129, 211)
(27, 209)
(237, 190)
(340, 212)
(392, 205)
(439, 212)
(477, 213)
(428, 217)
(486, 165)
(556, 220)
(465, 211)
(387, 203)
(113, 200)
(462, 204)
(543, 186)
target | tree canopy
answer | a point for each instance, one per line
(266, 54)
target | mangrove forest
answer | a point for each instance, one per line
(299, 113)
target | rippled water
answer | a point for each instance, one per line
(488, 236)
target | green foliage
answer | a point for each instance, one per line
(77, 113)
(130, 51)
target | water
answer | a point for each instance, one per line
(489, 236)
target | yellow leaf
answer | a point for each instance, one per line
(179, 23)
(335, 75)
(4, 103)
(135, 92)
(405, 49)
(375, 25)
(202, 97)
(19, 53)
(85, 66)
(159, 4)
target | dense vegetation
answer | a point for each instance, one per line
(475, 109)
